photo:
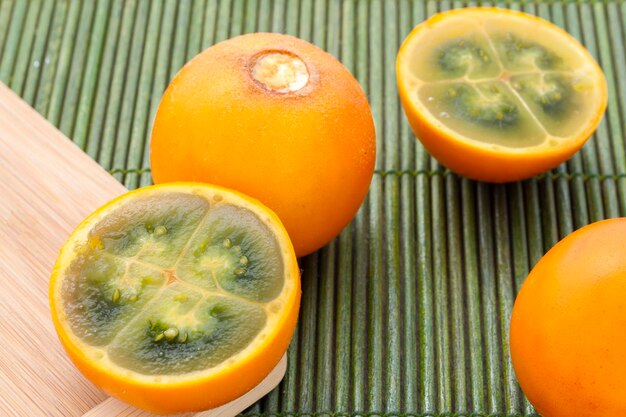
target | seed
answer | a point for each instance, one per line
(244, 260)
(159, 337)
(227, 243)
(95, 243)
(240, 271)
(183, 338)
(116, 296)
(133, 298)
(171, 333)
(181, 298)
(237, 249)
(160, 230)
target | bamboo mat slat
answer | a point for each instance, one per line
(406, 312)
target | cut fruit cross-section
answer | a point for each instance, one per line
(498, 95)
(177, 297)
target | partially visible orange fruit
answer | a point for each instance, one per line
(498, 95)
(177, 297)
(276, 118)
(568, 326)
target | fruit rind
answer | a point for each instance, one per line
(192, 392)
(479, 160)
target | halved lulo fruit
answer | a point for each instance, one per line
(498, 95)
(177, 297)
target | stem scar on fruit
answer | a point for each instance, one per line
(279, 72)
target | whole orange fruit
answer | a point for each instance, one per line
(568, 326)
(276, 118)
(177, 297)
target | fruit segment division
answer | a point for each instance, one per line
(497, 95)
(177, 297)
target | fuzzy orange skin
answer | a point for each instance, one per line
(474, 160)
(568, 326)
(202, 393)
(308, 155)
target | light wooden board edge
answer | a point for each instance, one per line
(114, 407)
(47, 186)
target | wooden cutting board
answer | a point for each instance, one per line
(47, 186)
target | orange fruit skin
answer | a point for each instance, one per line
(193, 396)
(200, 394)
(478, 162)
(568, 326)
(308, 155)
(487, 165)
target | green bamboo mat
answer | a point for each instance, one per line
(406, 313)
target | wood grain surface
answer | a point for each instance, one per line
(47, 186)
